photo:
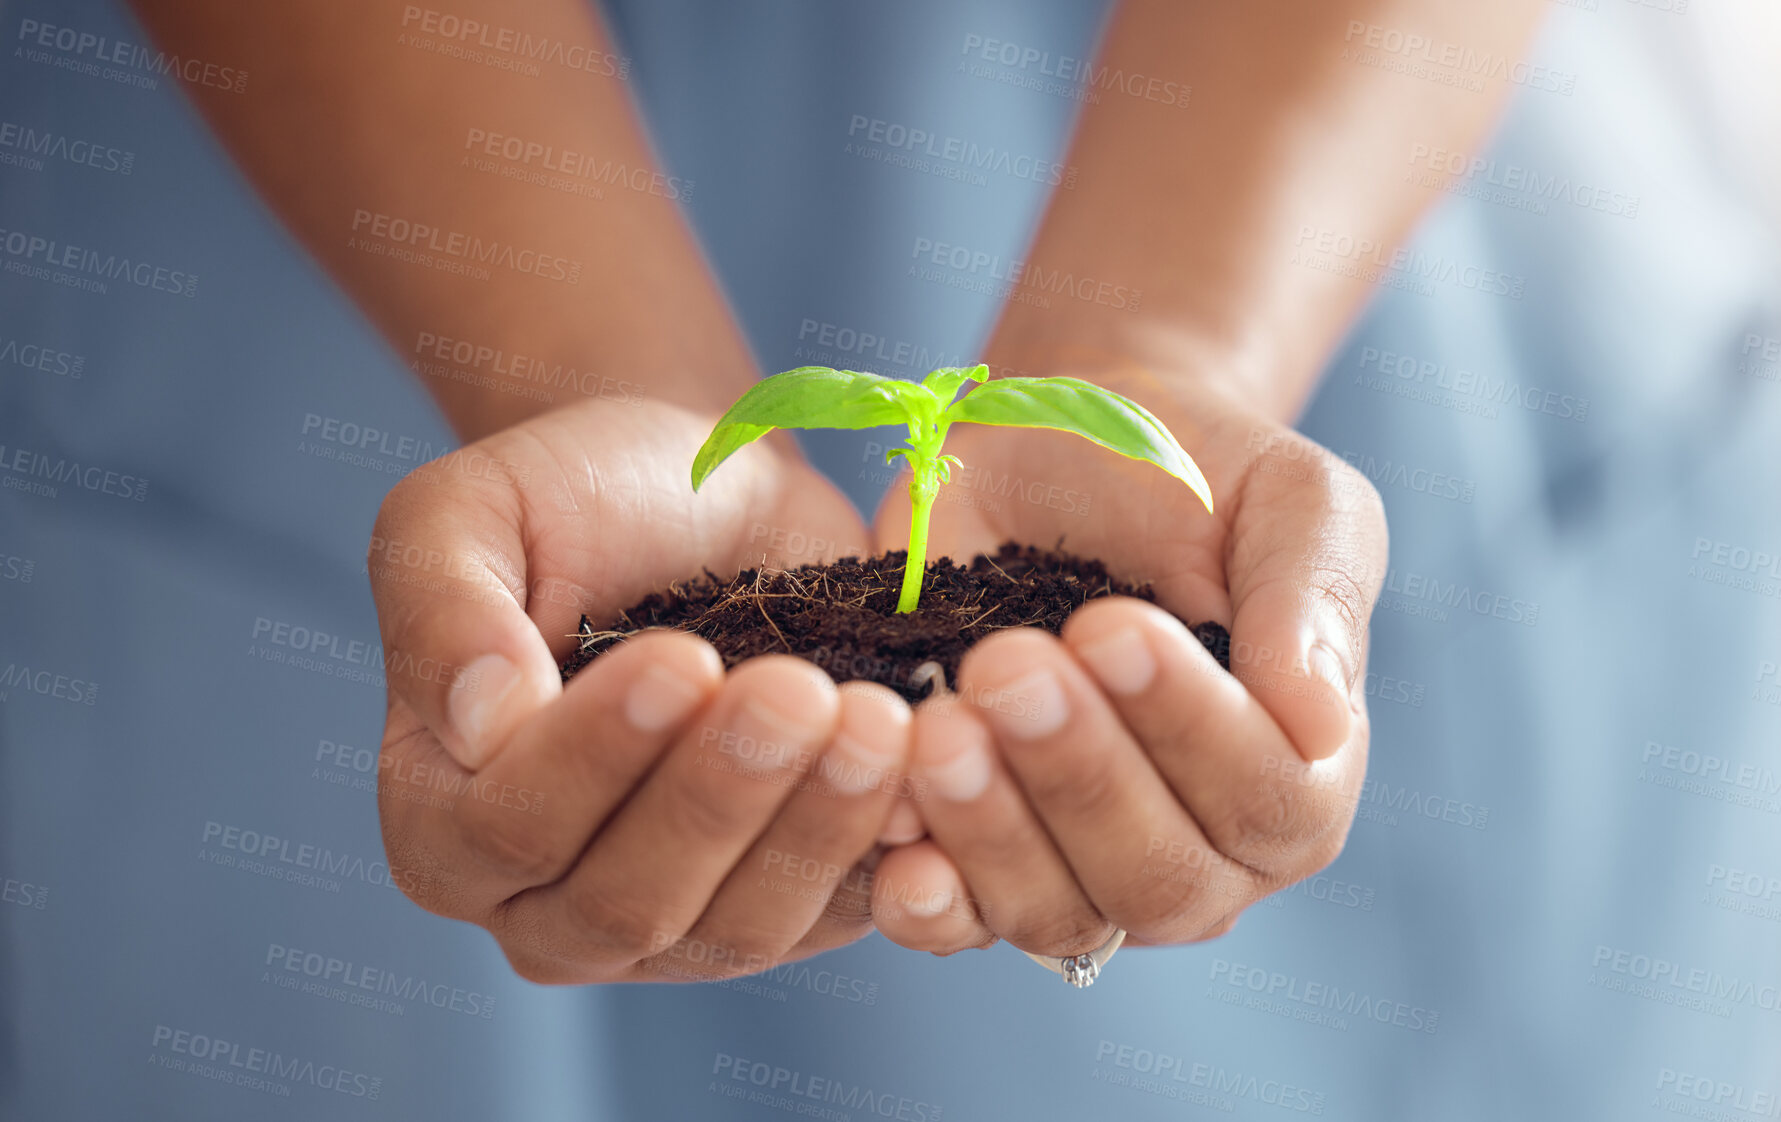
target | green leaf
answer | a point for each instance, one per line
(810, 397)
(1072, 405)
(944, 383)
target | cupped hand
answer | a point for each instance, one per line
(655, 818)
(1117, 776)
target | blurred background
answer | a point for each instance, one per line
(1562, 898)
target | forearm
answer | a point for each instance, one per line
(390, 163)
(1206, 212)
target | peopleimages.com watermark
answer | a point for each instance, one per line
(276, 857)
(45, 359)
(353, 660)
(490, 367)
(1077, 79)
(23, 894)
(1668, 982)
(1462, 390)
(1446, 63)
(27, 147)
(19, 679)
(1429, 597)
(1023, 282)
(811, 1096)
(726, 967)
(453, 251)
(370, 987)
(1512, 185)
(502, 47)
(824, 343)
(36, 257)
(1325, 1004)
(1736, 566)
(1711, 776)
(440, 787)
(1744, 891)
(949, 157)
(1760, 357)
(1171, 1076)
(38, 473)
(564, 169)
(1405, 267)
(265, 1070)
(119, 60)
(1698, 1096)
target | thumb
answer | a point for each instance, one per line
(448, 576)
(1307, 557)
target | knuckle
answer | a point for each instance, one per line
(601, 927)
(706, 810)
(826, 833)
(1218, 930)
(728, 952)
(1061, 933)
(415, 870)
(540, 969)
(992, 845)
(1170, 906)
(1347, 588)
(850, 904)
(508, 847)
(425, 891)
(1078, 781)
(1266, 825)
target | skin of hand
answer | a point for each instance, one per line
(655, 818)
(1117, 776)
(593, 879)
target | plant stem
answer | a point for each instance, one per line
(923, 486)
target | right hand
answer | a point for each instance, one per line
(655, 818)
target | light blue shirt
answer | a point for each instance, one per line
(1562, 897)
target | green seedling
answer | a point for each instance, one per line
(817, 397)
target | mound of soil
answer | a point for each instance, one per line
(843, 616)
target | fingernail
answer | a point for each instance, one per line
(852, 766)
(1028, 708)
(660, 699)
(474, 708)
(966, 775)
(1122, 662)
(1324, 663)
(903, 826)
(1328, 667)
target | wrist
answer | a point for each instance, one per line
(487, 384)
(1244, 367)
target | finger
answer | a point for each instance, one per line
(1305, 570)
(919, 901)
(652, 870)
(448, 575)
(904, 824)
(780, 890)
(475, 839)
(1098, 795)
(1216, 747)
(975, 810)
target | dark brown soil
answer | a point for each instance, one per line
(843, 616)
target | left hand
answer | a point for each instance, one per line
(1118, 776)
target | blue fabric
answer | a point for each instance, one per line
(1558, 657)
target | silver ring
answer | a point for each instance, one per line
(1081, 970)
